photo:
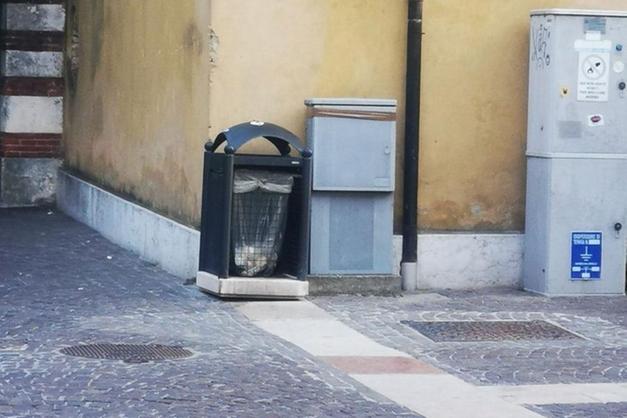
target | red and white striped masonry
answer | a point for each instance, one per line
(32, 86)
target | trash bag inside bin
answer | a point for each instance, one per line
(260, 204)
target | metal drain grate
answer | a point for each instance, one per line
(129, 353)
(476, 331)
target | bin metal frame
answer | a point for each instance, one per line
(217, 205)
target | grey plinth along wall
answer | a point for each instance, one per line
(31, 101)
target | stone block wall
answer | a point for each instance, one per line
(31, 100)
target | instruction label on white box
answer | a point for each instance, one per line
(586, 252)
(593, 83)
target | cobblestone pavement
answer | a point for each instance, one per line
(62, 284)
(607, 410)
(599, 357)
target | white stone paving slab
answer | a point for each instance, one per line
(442, 396)
(326, 338)
(272, 311)
(315, 332)
(560, 393)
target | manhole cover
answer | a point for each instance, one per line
(129, 353)
(472, 331)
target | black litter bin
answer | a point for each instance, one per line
(255, 208)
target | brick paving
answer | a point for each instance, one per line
(62, 284)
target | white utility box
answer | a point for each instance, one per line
(352, 205)
(577, 153)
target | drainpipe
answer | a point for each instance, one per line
(409, 270)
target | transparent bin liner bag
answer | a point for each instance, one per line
(260, 203)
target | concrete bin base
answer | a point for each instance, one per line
(252, 287)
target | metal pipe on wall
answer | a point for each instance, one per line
(409, 268)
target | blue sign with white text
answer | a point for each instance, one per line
(585, 254)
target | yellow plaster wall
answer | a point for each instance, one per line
(155, 74)
(474, 101)
(271, 55)
(141, 106)
(138, 112)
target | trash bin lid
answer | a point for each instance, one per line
(238, 135)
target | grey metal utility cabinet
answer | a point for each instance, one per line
(353, 185)
(576, 153)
